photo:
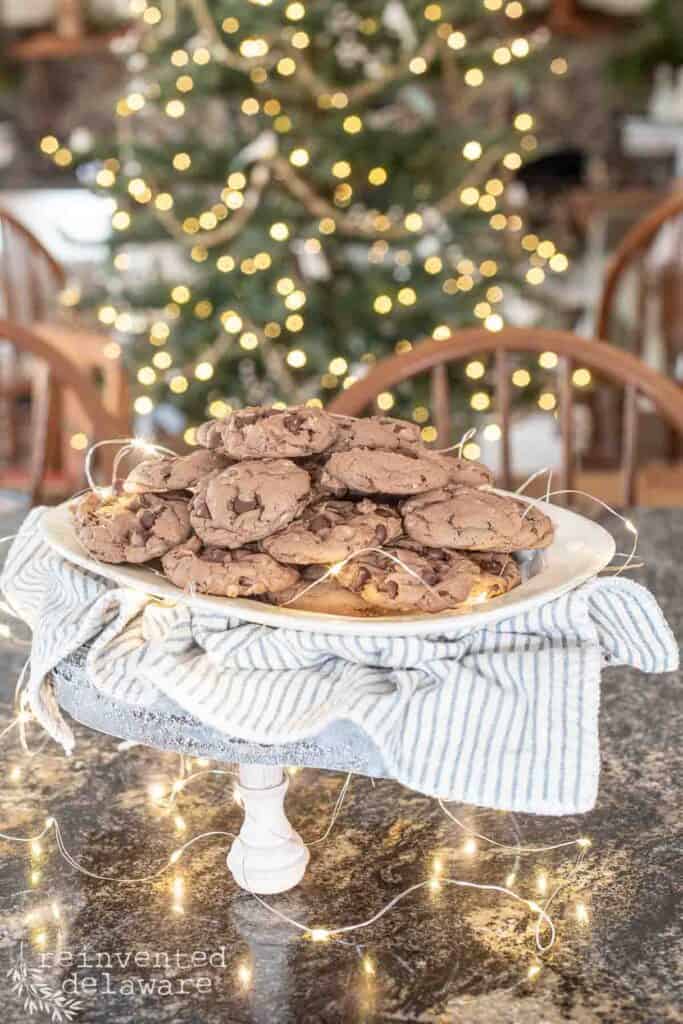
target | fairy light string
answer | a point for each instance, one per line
(544, 927)
(317, 933)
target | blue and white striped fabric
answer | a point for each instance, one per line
(505, 716)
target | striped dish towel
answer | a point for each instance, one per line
(505, 716)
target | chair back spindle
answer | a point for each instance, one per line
(502, 388)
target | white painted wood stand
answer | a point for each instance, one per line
(268, 856)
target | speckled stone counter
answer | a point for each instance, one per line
(441, 956)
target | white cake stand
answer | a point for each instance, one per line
(269, 856)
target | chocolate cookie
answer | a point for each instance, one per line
(475, 520)
(258, 433)
(433, 581)
(374, 471)
(375, 432)
(135, 528)
(173, 473)
(463, 471)
(248, 501)
(331, 530)
(499, 573)
(238, 573)
(327, 596)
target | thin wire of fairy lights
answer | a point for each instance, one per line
(628, 523)
(314, 932)
(318, 933)
(126, 446)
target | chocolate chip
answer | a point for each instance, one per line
(242, 505)
(362, 577)
(147, 519)
(391, 588)
(380, 534)
(320, 523)
(213, 555)
(294, 422)
(200, 508)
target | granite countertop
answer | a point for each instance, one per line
(449, 955)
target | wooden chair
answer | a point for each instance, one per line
(658, 292)
(632, 255)
(30, 277)
(30, 281)
(618, 367)
(61, 360)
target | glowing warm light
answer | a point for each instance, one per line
(547, 401)
(385, 401)
(535, 275)
(352, 124)
(581, 378)
(244, 975)
(474, 77)
(559, 66)
(494, 322)
(469, 196)
(512, 161)
(120, 220)
(521, 378)
(470, 846)
(296, 358)
(581, 913)
(471, 451)
(203, 371)
(480, 401)
(548, 360)
(475, 369)
(79, 441)
(472, 150)
(319, 935)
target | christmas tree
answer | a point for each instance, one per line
(299, 190)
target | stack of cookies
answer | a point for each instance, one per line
(317, 512)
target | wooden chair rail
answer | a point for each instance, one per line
(631, 248)
(34, 244)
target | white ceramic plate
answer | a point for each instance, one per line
(580, 549)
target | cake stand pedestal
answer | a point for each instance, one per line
(268, 856)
